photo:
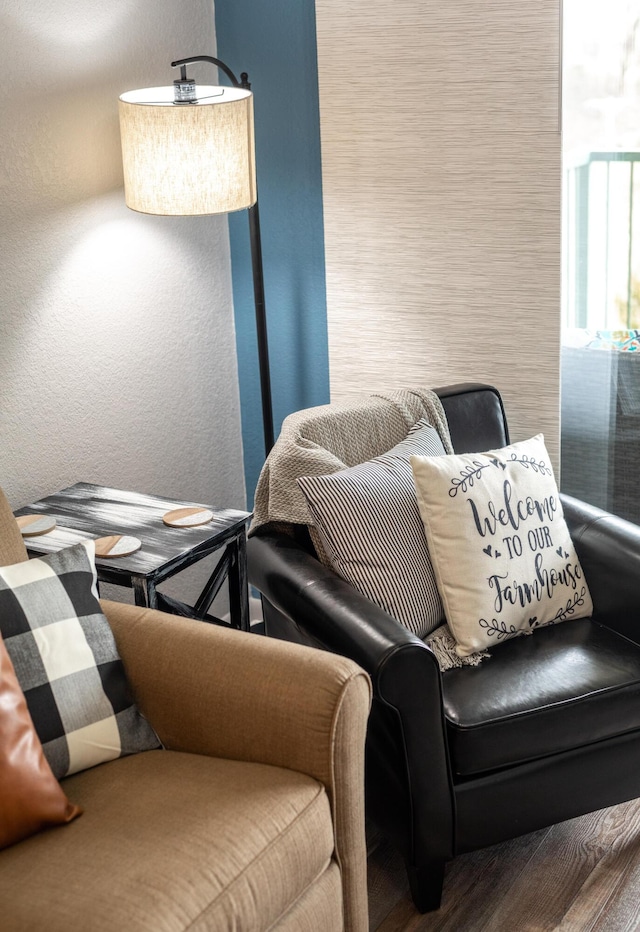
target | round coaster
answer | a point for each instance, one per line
(187, 517)
(117, 545)
(34, 525)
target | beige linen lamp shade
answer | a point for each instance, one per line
(188, 158)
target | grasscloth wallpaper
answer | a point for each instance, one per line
(440, 131)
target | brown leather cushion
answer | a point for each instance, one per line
(30, 796)
(563, 687)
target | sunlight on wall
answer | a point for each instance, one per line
(117, 345)
(139, 287)
(110, 266)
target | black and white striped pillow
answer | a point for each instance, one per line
(368, 520)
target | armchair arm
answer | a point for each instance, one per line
(209, 690)
(328, 610)
(609, 551)
(407, 721)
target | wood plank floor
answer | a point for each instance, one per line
(579, 876)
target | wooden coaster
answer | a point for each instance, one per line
(34, 525)
(187, 517)
(117, 545)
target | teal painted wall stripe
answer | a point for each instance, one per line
(275, 43)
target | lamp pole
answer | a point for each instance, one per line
(261, 325)
(185, 86)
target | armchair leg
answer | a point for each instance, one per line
(425, 884)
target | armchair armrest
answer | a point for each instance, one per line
(208, 691)
(407, 721)
(609, 551)
(329, 611)
(227, 693)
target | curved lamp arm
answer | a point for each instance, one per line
(183, 62)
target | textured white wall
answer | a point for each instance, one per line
(117, 351)
(441, 179)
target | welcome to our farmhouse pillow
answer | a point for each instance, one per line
(500, 547)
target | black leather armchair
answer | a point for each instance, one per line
(546, 729)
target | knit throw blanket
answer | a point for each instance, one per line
(327, 438)
(323, 440)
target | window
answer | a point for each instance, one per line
(601, 254)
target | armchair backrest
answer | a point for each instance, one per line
(476, 417)
(324, 439)
(12, 548)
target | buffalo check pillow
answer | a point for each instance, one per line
(66, 661)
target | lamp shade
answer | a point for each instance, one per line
(188, 158)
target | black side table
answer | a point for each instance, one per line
(90, 511)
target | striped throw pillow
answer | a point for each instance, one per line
(368, 521)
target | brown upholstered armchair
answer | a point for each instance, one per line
(253, 816)
(545, 730)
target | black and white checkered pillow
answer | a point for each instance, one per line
(370, 527)
(67, 663)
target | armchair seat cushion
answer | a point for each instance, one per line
(565, 687)
(251, 840)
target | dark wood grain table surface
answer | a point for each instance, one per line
(85, 511)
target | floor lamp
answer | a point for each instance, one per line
(189, 150)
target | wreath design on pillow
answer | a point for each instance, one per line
(503, 556)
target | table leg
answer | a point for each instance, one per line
(238, 585)
(144, 592)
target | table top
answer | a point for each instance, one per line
(85, 511)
